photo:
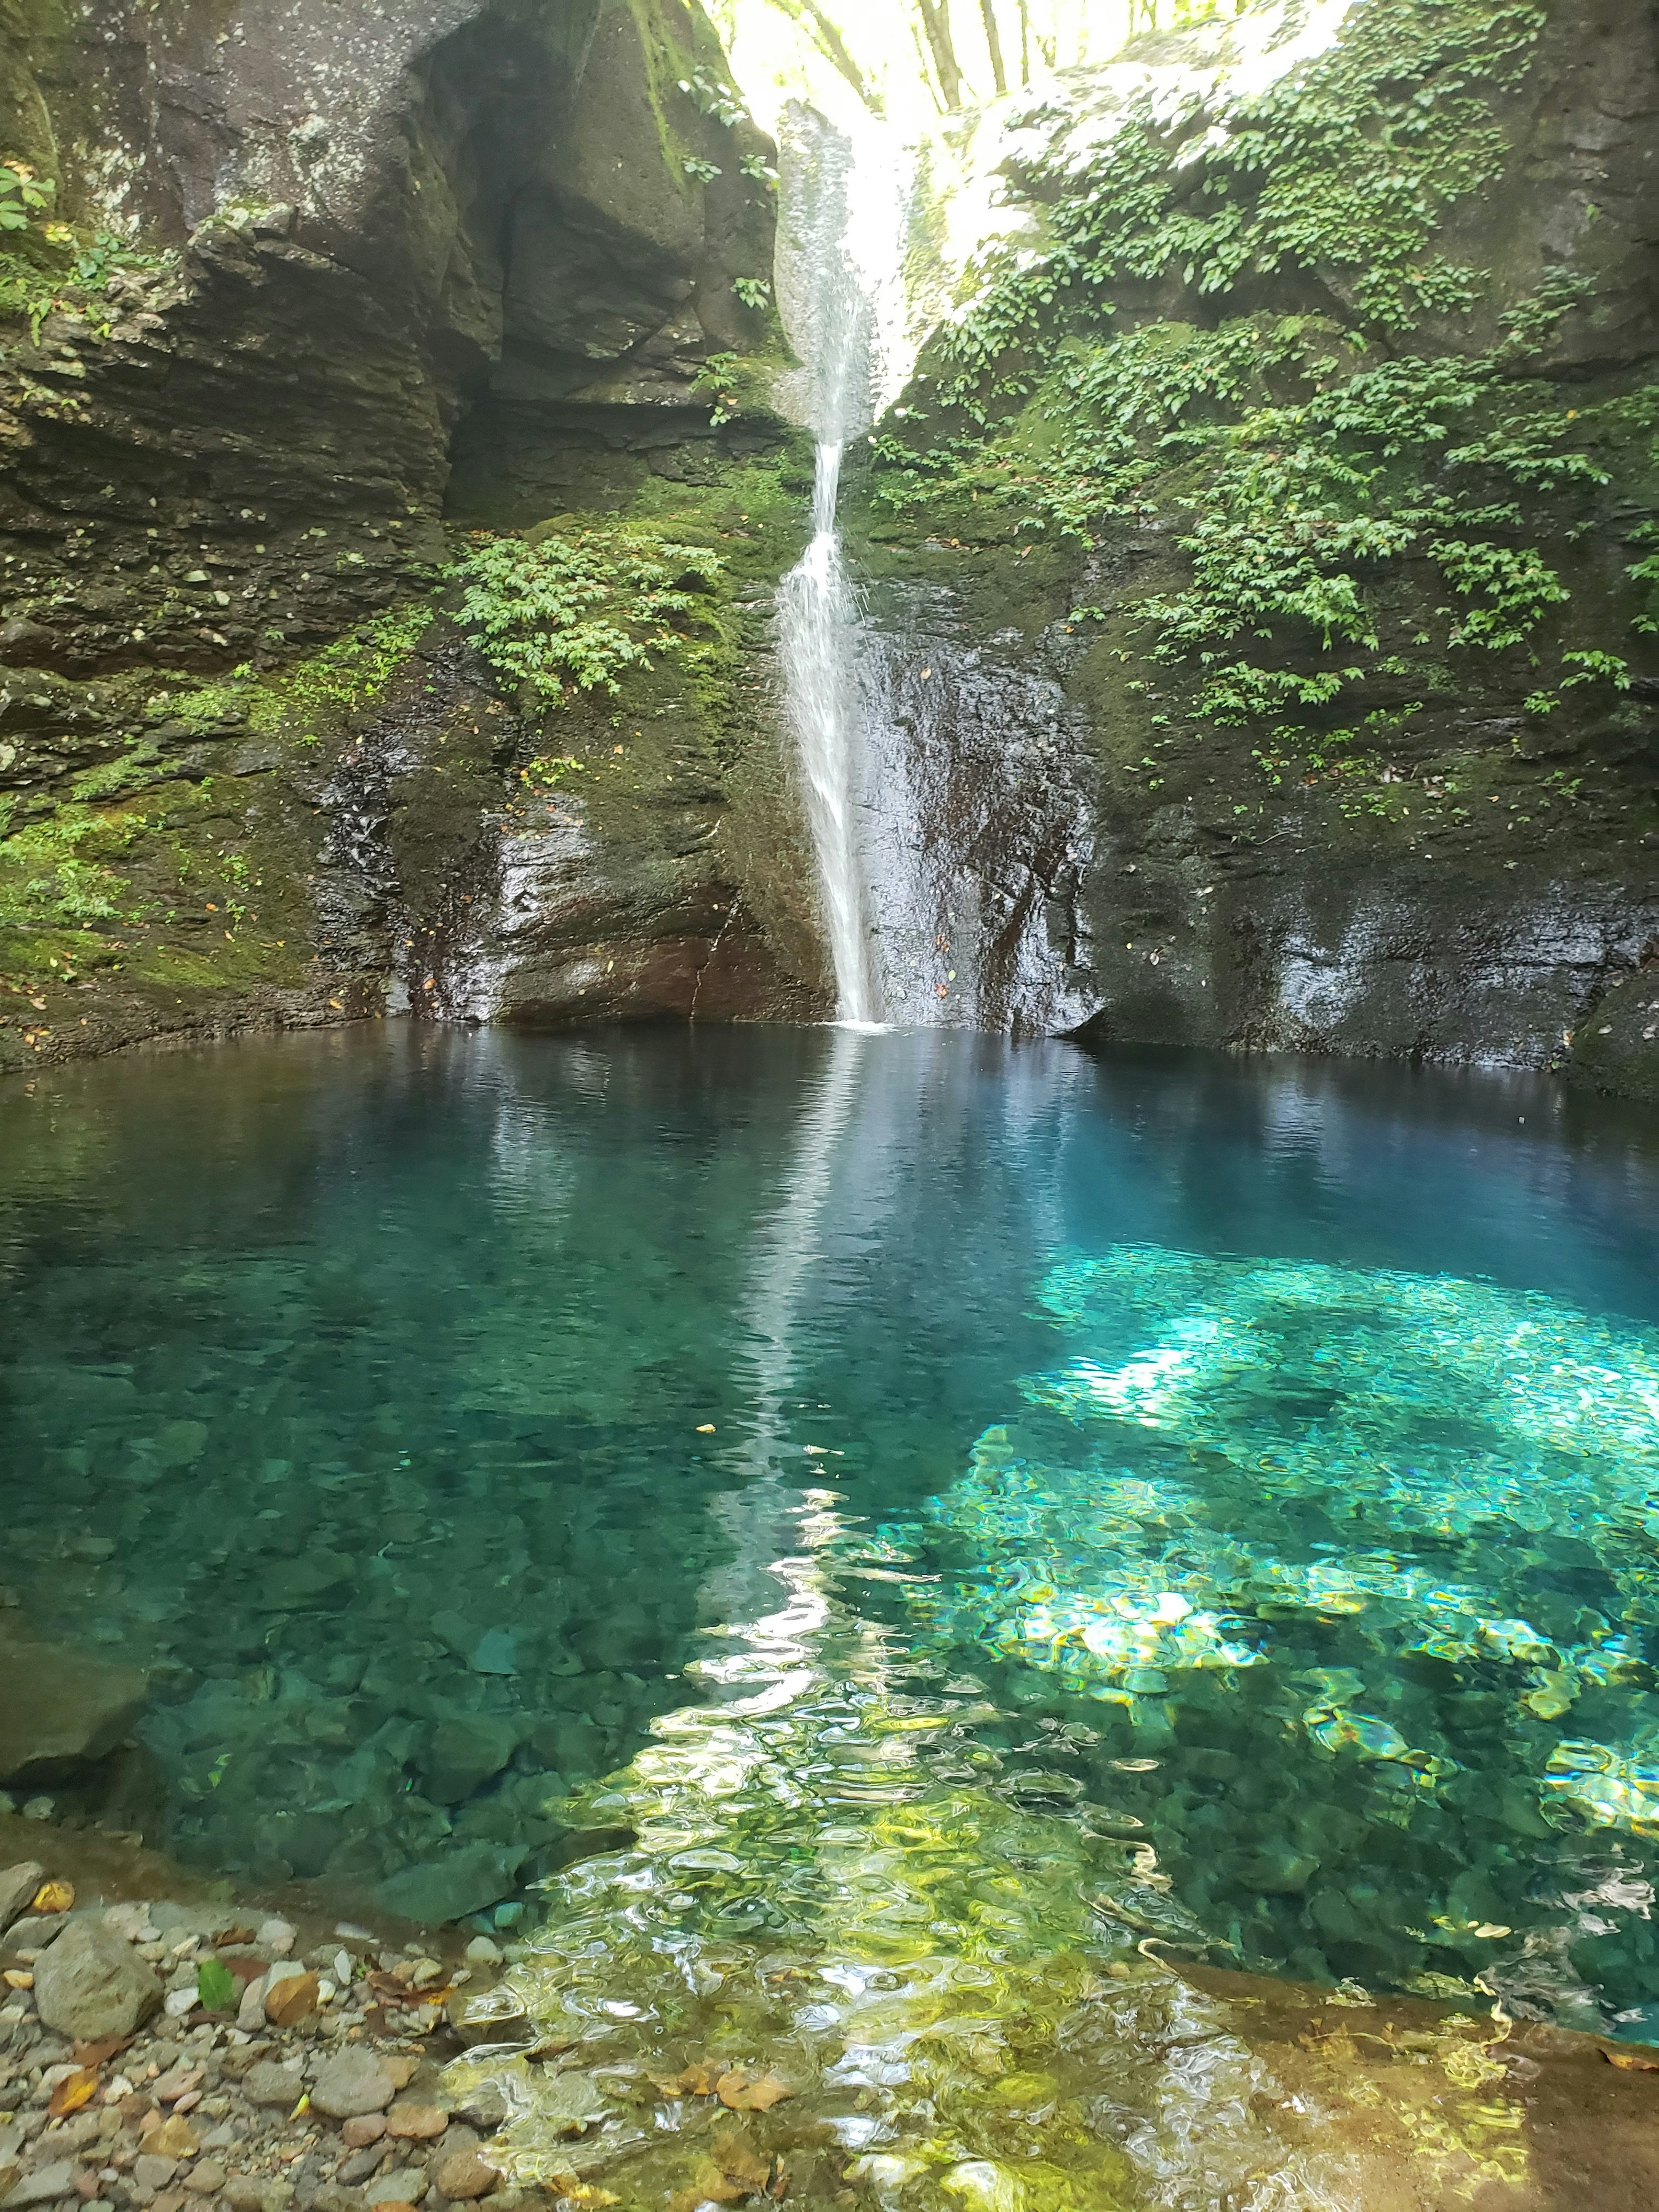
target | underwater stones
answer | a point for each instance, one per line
(353, 2082)
(486, 1650)
(449, 1889)
(1278, 1873)
(317, 1577)
(463, 1753)
(621, 1641)
(570, 1742)
(180, 1444)
(497, 2015)
(60, 1707)
(91, 1983)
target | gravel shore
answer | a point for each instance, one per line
(161, 2055)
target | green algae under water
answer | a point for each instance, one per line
(966, 1520)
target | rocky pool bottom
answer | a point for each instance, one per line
(346, 2068)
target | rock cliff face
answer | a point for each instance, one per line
(317, 289)
(1299, 479)
(1257, 575)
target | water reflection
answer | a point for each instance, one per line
(418, 1406)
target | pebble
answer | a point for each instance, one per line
(268, 2083)
(352, 2082)
(45, 2185)
(17, 1886)
(464, 2175)
(239, 2087)
(414, 2122)
(403, 2185)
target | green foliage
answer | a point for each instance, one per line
(695, 166)
(753, 291)
(1343, 167)
(54, 874)
(356, 669)
(1345, 499)
(46, 265)
(23, 195)
(574, 610)
(715, 97)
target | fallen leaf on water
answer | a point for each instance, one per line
(228, 1937)
(751, 2093)
(1631, 2061)
(739, 2160)
(72, 2092)
(697, 2079)
(54, 1897)
(709, 2186)
(582, 2192)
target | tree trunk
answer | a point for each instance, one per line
(988, 9)
(936, 21)
(831, 44)
(1025, 41)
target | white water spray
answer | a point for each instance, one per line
(841, 288)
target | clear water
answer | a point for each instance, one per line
(918, 1486)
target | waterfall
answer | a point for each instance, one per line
(842, 289)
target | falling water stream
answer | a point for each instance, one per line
(841, 286)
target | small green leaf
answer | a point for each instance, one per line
(216, 1987)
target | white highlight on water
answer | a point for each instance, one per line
(841, 283)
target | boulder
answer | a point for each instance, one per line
(448, 1888)
(60, 1707)
(91, 1983)
(464, 1753)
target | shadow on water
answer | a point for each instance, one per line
(990, 1522)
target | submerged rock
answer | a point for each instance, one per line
(449, 1889)
(60, 1707)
